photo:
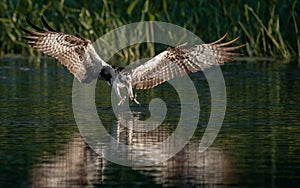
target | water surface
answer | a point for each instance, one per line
(258, 145)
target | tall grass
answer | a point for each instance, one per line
(270, 28)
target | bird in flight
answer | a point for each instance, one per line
(79, 56)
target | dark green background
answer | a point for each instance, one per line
(270, 28)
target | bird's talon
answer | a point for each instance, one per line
(133, 100)
(121, 102)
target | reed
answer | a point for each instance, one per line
(270, 29)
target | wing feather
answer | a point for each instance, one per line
(181, 60)
(76, 53)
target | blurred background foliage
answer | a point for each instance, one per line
(270, 28)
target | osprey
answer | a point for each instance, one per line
(81, 59)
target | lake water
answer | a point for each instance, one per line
(258, 144)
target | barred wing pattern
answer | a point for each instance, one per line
(74, 52)
(81, 59)
(179, 61)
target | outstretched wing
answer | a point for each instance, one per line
(74, 52)
(181, 60)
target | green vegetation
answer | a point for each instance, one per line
(270, 28)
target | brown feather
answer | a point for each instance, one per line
(70, 50)
(182, 60)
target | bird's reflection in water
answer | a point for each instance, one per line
(77, 164)
(189, 166)
(127, 130)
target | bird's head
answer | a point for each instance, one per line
(108, 74)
